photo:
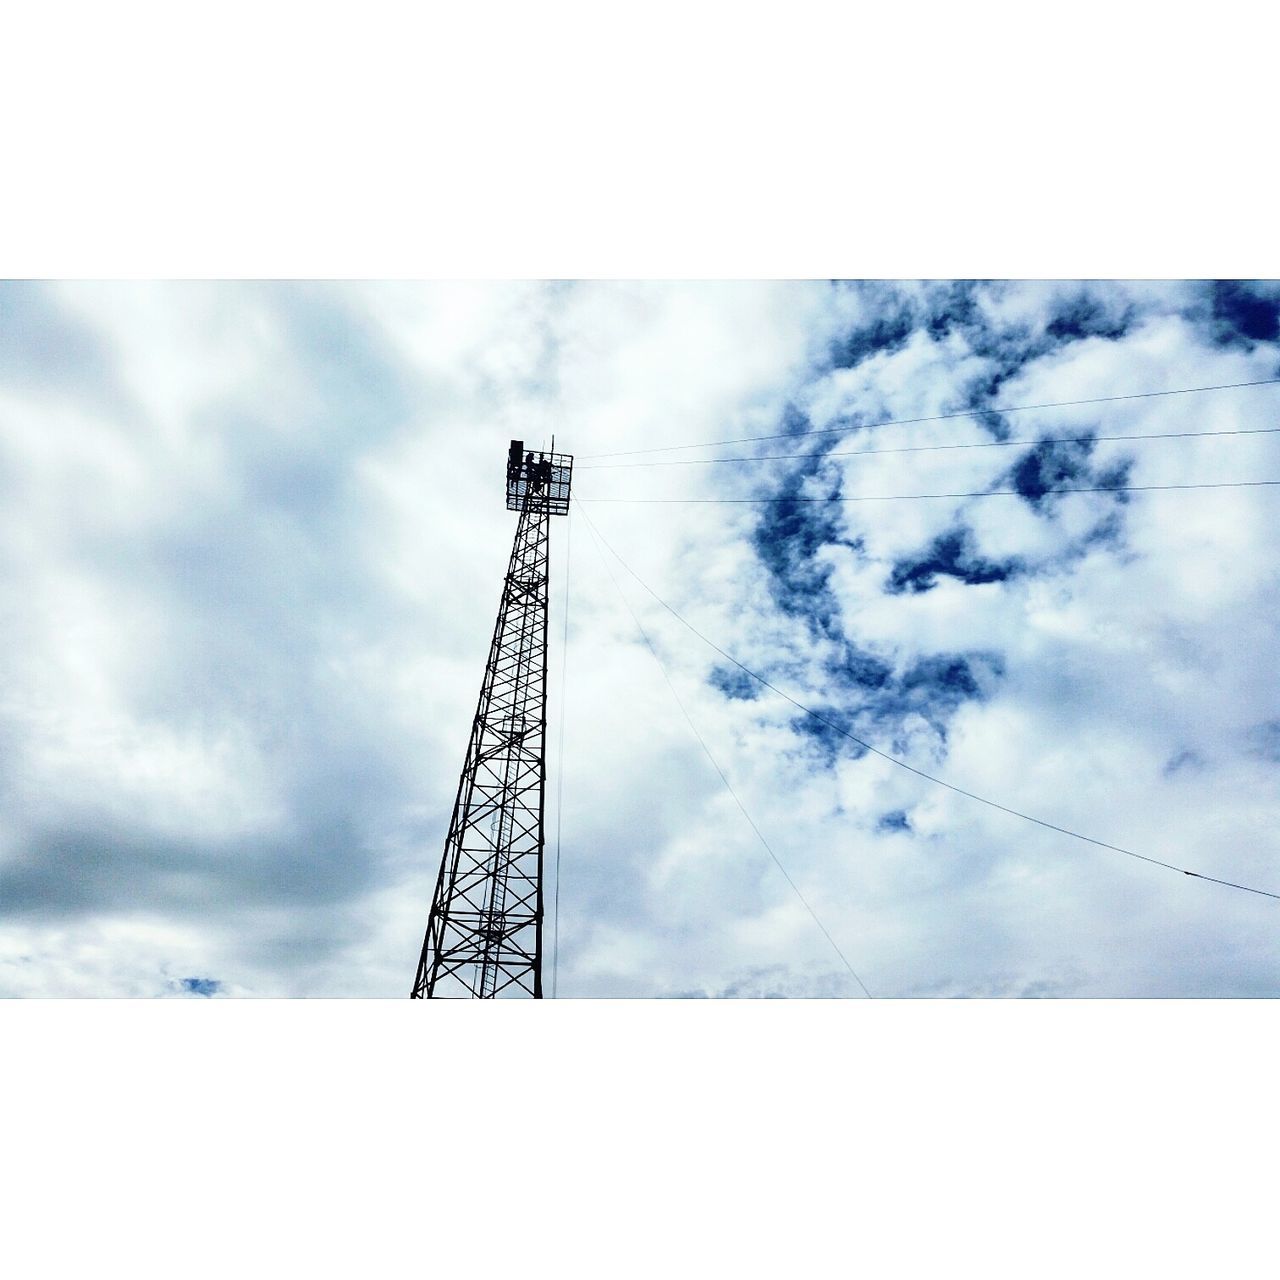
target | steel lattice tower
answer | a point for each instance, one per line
(484, 932)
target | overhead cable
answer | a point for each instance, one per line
(902, 764)
(972, 412)
(933, 448)
(981, 493)
(715, 764)
(564, 687)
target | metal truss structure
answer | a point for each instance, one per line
(484, 932)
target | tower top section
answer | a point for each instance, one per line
(538, 480)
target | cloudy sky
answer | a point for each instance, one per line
(251, 547)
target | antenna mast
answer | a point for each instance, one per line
(484, 931)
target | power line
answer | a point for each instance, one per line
(937, 417)
(983, 493)
(884, 755)
(934, 448)
(715, 764)
(564, 672)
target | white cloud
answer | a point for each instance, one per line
(253, 539)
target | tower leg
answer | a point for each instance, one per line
(484, 932)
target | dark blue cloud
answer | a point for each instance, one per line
(952, 306)
(794, 422)
(1085, 316)
(946, 308)
(790, 533)
(932, 687)
(1052, 465)
(1264, 740)
(879, 700)
(735, 683)
(1181, 761)
(895, 821)
(952, 555)
(951, 310)
(1005, 347)
(202, 986)
(828, 734)
(787, 538)
(1108, 532)
(853, 666)
(1242, 312)
(893, 324)
(1009, 346)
